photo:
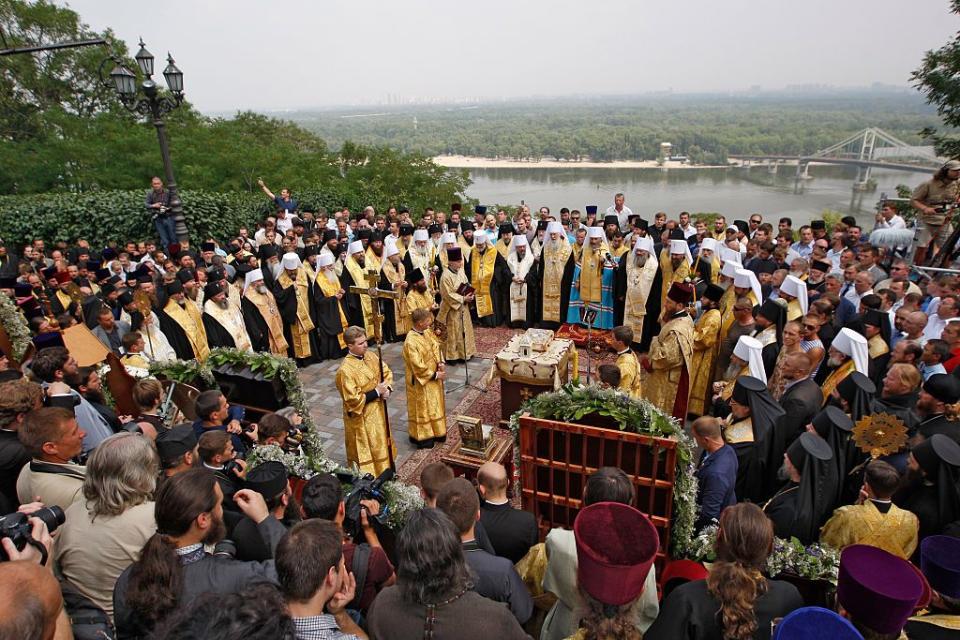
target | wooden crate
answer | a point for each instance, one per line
(557, 458)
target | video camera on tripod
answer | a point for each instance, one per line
(364, 487)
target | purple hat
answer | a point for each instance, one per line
(878, 589)
(815, 623)
(47, 340)
(591, 209)
(940, 561)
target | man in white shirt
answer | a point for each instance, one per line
(945, 312)
(620, 210)
(888, 218)
(862, 285)
(688, 229)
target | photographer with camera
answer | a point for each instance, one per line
(158, 206)
(53, 439)
(214, 413)
(104, 533)
(275, 429)
(217, 454)
(270, 480)
(31, 604)
(323, 499)
(17, 399)
(174, 568)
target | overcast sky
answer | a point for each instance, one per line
(254, 54)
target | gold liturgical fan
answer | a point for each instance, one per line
(880, 434)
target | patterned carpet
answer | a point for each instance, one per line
(483, 404)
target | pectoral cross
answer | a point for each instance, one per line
(372, 278)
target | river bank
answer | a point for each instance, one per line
(470, 162)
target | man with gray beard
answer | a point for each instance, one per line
(222, 321)
(261, 316)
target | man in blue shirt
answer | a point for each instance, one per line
(284, 201)
(716, 473)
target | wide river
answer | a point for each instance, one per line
(734, 192)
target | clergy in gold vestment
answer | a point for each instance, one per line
(671, 355)
(590, 282)
(419, 296)
(484, 280)
(893, 529)
(638, 270)
(675, 265)
(455, 310)
(706, 343)
(293, 299)
(745, 285)
(393, 277)
(627, 362)
(262, 316)
(557, 273)
(425, 373)
(364, 409)
(222, 321)
(182, 324)
(359, 308)
(847, 353)
(794, 291)
(422, 255)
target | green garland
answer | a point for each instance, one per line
(16, 327)
(572, 402)
(402, 499)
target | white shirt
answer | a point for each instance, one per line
(284, 224)
(623, 215)
(934, 328)
(896, 222)
(855, 297)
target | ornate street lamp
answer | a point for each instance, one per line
(154, 105)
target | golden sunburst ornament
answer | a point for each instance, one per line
(880, 434)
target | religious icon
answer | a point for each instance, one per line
(475, 438)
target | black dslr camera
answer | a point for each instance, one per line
(364, 487)
(16, 527)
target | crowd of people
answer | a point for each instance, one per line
(779, 348)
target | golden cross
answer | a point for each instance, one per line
(372, 278)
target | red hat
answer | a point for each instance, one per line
(678, 572)
(616, 545)
(63, 277)
(681, 292)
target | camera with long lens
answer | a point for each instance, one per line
(232, 468)
(17, 528)
(364, 487)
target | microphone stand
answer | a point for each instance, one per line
(466, 362)
(589, 315)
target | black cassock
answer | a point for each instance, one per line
(325, 311)
(389, 310)
(176, 336)
(566, 285)
(533, 298)
(256, 325)
(352, 302)
(499, 291)
(217, 336)
(287, 305)
(800, 509)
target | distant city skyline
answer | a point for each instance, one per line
(297, 54)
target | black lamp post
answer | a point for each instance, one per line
(153, 105)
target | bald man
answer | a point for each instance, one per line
(511, 531)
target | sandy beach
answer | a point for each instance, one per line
(468, 162)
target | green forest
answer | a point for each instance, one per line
(705, 128)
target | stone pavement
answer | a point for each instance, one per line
(326, 408)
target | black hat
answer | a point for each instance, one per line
(144, 278)
(329, 234)
(49, 273)
(415, 276)
(406, 229)
(764, 266)
(713, 292)
(466, 225)
(101, 274)
(297, 222)
(268, 250)
(818, 224)
(855, 382)
(506, 227)
(454, 254)
(208, 246)
(434, 228)
(269, 479)
(22, 289)
(742, 226)
(482, 210)
(172, 288)
(376, 236)
(821, 265)
(640, 223)
(542, 225)
(945, 388)
(677, 234)
(116, 280)
(93, 265)
(310, 250)
(186, 275)
(744, 386)
(456, 206)
(875, 318)
(772, 310)
(216, 273)
(364, 234)
(173, 443)
(808, 443)
(47, 340)
(611, 219)
(107, 288)
(126, 297)
(831, 416)
(591, 209)
(109, 253)
(213, 288)
(7, 282)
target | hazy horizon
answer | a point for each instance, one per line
(299, 55)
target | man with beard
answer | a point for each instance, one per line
(173, 563)
(749, 429)
(809, 496)
(674, 262)
(671, 355)
(328, 313)
(270, 480)
(633, 284)
(505, 237)
(191, 288)
(261, 316)
(815, 281)
(876, 328)
(490, 278)
(293, 293)
(359, 308)
(396, 321)
(523, 295)
(222, 321)
(794, 291)
(270, 264)
(706, 341)
(374, 255)
(435, 232)
(555, 277)
(874, 519)
(743, 325)
(465, 241)
(331, 247)
(746, 360)
(418, 296)
(930, 489)
(455, 310)
(771, 316)
(938, 409)
(423, 256)
(182, 323)
(588, 282)
(848, 353)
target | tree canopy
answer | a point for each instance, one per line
(938, 77)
